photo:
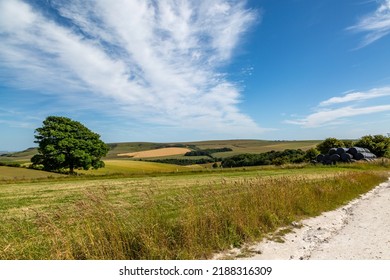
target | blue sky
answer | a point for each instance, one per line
(182, 70)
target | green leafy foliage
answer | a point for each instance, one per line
(377, 144)
(311, 154)
(268, 158)
(67, 144)
(329, 143)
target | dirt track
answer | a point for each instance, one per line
(359, 230)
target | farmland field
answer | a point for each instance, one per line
(131, 167)
(237, 146)
(169, 213)
(135, 209)
(156, 153)
(12, 173)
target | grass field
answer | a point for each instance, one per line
(238, 146)
(131, 167)
(14, 173)
(174, 214)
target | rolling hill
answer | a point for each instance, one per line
(236, 146)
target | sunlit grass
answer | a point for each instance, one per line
(189, 216)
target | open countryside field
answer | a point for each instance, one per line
(14, 173)
(162, 152)
(237, 146)
(174, 215)
(134, 167)
(254, 146)
(146, 150)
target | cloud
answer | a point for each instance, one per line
(154, 61)
(327, 114)
(357, 96)
(376, 25)
(334, 116)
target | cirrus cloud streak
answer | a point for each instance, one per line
(154, 61)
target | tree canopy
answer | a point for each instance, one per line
(67, 144)
(377, 144)
(329, 143)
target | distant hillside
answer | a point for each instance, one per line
(21, 157)
(237, 147)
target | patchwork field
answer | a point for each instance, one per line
(148, 150)
(237, 146)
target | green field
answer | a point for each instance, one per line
(134, 209)
(133, 167)
(158, 211)
(14, 173)
(237, 146)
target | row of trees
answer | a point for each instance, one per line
(268, 158)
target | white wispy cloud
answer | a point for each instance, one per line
(335, 116)
(376, 24)
(327, 113)
(357, 96)
(155, 61)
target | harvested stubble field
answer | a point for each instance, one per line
(171, 216)
(156, 153)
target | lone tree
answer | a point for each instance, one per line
(64, 143)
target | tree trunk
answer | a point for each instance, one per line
(71, 168)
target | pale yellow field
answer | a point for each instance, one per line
(136, 167)
(157, 153)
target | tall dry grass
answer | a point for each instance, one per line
(190, 223)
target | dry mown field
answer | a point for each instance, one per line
(157, 153)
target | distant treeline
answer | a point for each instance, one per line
(183, 161)
(207, 152)
(177, 145)
(268, 158)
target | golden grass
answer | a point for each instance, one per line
(157, 153)
(129, 167)
(174, 217)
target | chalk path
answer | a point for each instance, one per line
(359, 230)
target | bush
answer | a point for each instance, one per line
(268, 158)
(377, 144)
(329, 143)
(10, 164)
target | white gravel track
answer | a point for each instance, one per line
(359, 230)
